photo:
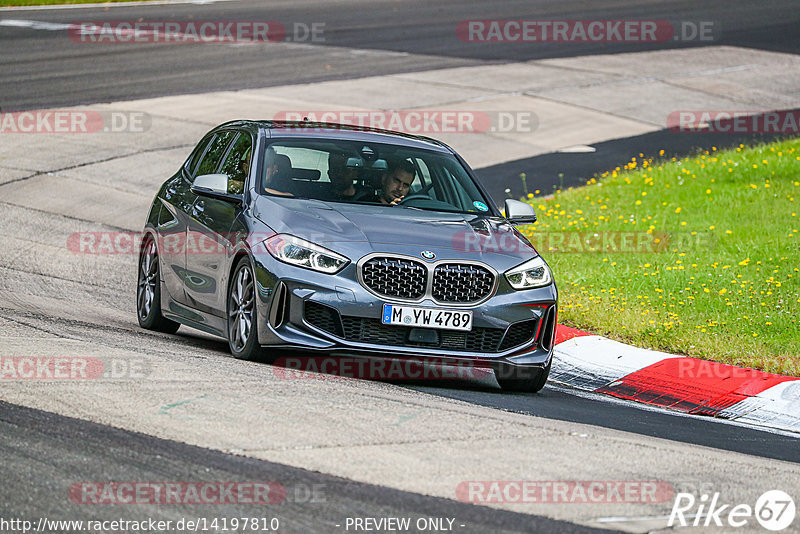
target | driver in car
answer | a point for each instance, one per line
(396, 182)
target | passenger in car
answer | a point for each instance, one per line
(342, 177)
(278, 174)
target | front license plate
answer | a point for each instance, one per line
(427, 317)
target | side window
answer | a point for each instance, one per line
(213, 155)
(191, 163)
(237, 163)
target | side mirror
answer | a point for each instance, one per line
(217, 183)
(215, 186)
(519, 212)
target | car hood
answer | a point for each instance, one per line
(358, 229)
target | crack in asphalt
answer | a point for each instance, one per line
(86, 164)
(56, 277)
(64, 216)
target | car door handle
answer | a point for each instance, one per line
(200, 207)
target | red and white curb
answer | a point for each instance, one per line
(684, 384)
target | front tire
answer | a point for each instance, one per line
(148, 292)
(527, 384)
(242, 316)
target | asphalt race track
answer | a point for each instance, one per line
(407, 36)
(313, 501)
(182, 409)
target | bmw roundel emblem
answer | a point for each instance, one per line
(428, 255)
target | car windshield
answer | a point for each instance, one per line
(370, 173)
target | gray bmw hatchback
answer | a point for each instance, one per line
(346, 241)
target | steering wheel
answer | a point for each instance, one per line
(415, 196)
(422, 193)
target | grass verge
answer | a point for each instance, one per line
(698, 256)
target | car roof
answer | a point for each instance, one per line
(346, 132)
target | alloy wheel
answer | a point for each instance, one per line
(240, 308)
(148, 278)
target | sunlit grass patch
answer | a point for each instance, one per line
(698, 256)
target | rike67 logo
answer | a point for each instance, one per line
(774, 510)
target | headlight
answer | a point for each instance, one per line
(295, 251)
(533, 273)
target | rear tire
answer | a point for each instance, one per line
(148, 291)
(242, 313)
(532, 384)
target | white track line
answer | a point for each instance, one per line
(106, 5)
(35, 25)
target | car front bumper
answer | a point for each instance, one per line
(335, 314)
